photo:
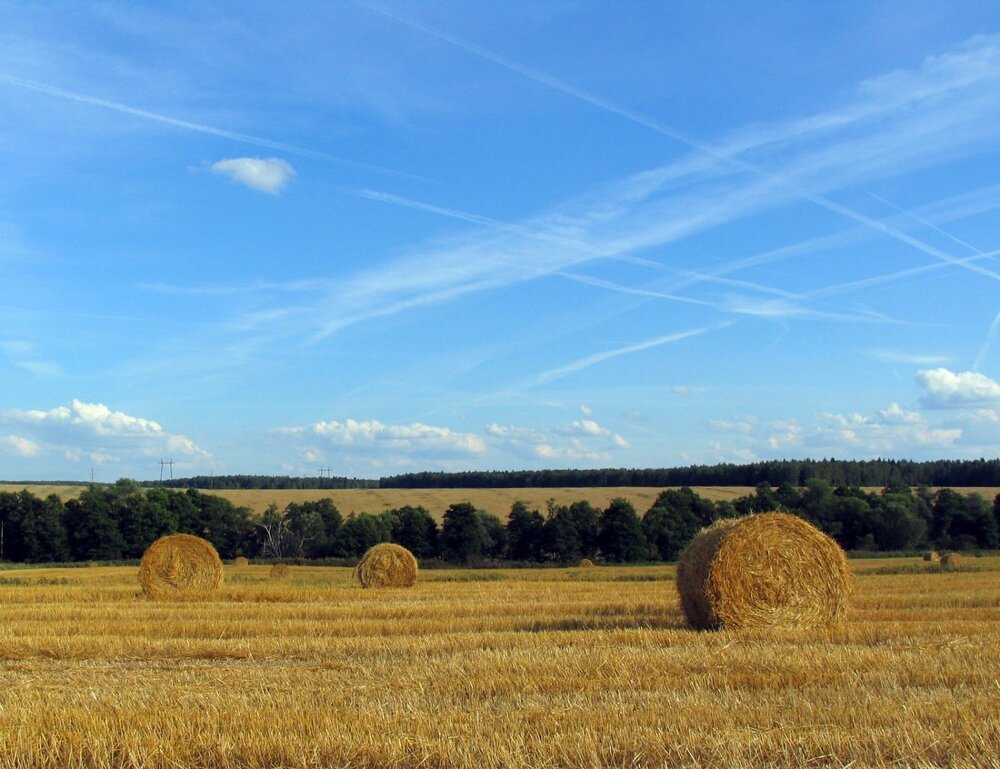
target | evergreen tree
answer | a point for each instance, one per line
(463, 535)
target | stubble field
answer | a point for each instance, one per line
(492, 668)
(436, 501)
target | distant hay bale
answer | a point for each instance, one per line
(586, 563)
(767, 570)
(932, 556)
(180, 566)
(387, 565)
(954, 560)
(281, 571)
(240, 561)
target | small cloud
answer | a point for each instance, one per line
(739, 426)
(264, 174)
(945, 389)
(686, 389)
(372, 435)
(22, 446)
(587, 411)
(896, 414)
(585, 427)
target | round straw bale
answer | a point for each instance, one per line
(387, 565)
(240, 561)
(586, 563)
(766, 570)
(281, 571)
(180, 566)
(951, 559)
(932, 556)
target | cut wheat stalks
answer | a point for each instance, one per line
(766, 570)
(387, 565)
(180, 566)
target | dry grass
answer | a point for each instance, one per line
(518, 668)
(180, 566)
(767, 570)
(387, 565)
(436, 501)
(280, 571)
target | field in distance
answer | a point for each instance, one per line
(488, 669)
(436, 501)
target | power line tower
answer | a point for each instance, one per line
(326, 472)
(170, 464)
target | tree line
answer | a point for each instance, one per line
(119, 521)
(797, 472)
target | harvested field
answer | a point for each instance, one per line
(493, 668)
(436, 501)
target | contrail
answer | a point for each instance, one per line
(585, 363)
(990, 338)
(258, 141)
(640, 119)
(926, 223)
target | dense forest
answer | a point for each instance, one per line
(118, 522)
(874, 472)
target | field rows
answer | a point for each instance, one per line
(554, 668)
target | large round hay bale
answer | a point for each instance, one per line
(952, 560)
(240, 561)
(180, 566)
(586, 563)
(766, 570)
(281, 571)
(387, 565)
(932, 556)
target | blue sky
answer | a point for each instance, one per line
(384, 237)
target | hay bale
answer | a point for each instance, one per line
(240, 561)
(387, 565)
(932, 556)
(766, 570)
(586, 563)
(281, 571)
(180, 566)
(952, 560)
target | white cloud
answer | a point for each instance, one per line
(946, 389)
(586, 427)
(896, 414)
(364, 435)
(686, 389)
(737, 426)
(264, 174)
(93, 432)
(22, 446)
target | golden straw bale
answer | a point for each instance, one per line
(586, 563)
(951, 559)
(240, 561)
(180, 566)
(766, 570)
(387, 565)
(932, 556)
(281, 571)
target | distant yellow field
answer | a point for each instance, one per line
(436, 501)
(489, 669)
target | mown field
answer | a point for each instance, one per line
(492, 668)
(436, 501)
